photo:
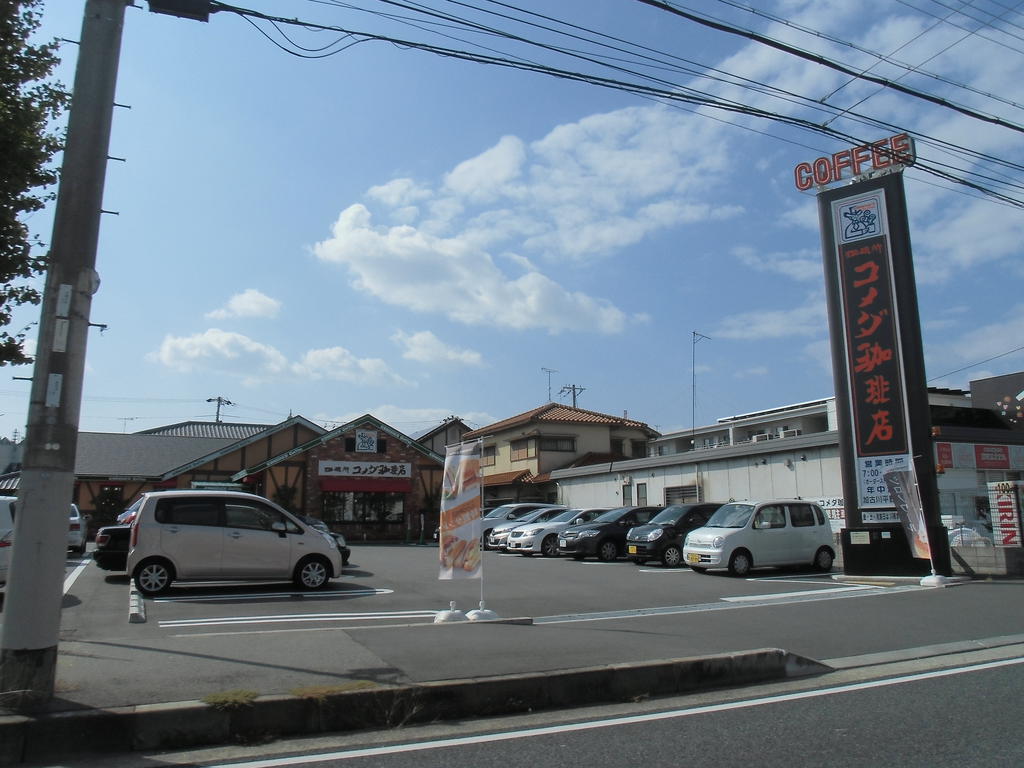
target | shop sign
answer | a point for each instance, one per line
(886, 154)
(992, 457)
(1005, 509)
(382, 469)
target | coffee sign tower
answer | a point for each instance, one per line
(877, 360)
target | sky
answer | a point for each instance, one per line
(376, 228)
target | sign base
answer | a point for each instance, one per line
(883, 550)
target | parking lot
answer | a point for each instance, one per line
(376, 623)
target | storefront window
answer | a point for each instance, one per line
(362, 507)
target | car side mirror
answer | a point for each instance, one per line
(279, 527)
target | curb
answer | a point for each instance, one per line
(194, 723)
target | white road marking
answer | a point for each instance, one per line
(368, 592)
(295, 617)
(802, 593)
(73, 576)
(613, 722)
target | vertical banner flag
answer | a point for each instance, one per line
(905, 496)
(459, 540)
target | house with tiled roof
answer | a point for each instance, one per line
(520, 452)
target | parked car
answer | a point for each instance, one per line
(662, 538)
(111, 550)
(507, 512)
(498, 537)
(542, 537)
(605, 535)
(206, 535)
(339, 538)
(78, 525)
(748, 534)
(7, 504)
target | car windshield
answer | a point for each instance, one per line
(611, 515)
(498, 511)
(527, 513)
(565, 516)
(731, 516)
(669, 515)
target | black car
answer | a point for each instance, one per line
(339, 538)
(111, 552)
(605, 535)
(662, 538)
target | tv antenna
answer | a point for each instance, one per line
(693, 383)
(549, 371)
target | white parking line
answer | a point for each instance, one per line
(801, 593)
(296, 617)
(369, 592)
(73, 576)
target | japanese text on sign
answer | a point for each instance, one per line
(365, 469)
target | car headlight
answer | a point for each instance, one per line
(341, 540)
(532, 532)
(587, 534)
(718, 542)
(656, 534)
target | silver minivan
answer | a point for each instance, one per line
(224, 535)
(749, 534)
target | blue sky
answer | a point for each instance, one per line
(390, 231)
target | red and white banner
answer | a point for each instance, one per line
(461, 489)
(1004, 501)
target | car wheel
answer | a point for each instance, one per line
(607, 551)
(823, 559)
(312, 573)
(549, 547)
(672, 556)
(698, 569)
(740, 563)
(153, 576)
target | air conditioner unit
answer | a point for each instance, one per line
(790, 432)
(760, 438)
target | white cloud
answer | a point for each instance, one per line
(249, 303)
(399, 193)
(425, 347)
(220, 350)
(755, 371)
(339, 364)
(800, 265)
(807, 320)
(486, 176)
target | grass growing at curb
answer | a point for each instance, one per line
(323, 691)
(235, 699)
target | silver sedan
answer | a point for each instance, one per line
(542, 537)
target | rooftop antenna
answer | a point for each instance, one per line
(693, 385)
(549, 371)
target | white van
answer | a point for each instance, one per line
(6, 534)
(750, 534)
(224, 535)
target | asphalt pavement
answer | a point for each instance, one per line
(216, 664)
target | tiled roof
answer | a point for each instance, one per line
(554, 413)
(105, 454)
(215, 429)
(505, 478)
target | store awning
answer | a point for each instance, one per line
(383, 485)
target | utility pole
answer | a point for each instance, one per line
(549, 371)
(219, 401)
(28, 645)
(693, 386)
(575, 391)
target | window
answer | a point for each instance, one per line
(770, 517)
(350, 444)
(617, 446)
(362, 507)
(558, 444)
(641, 494)
(254, 516)
(627, 495)
(638, 448)
(489, 456)
(382, 445)
(188, 511)
(801, 515)
(523, 449)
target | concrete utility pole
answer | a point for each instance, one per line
(28, 645)
(219, 401)
(575, 391)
